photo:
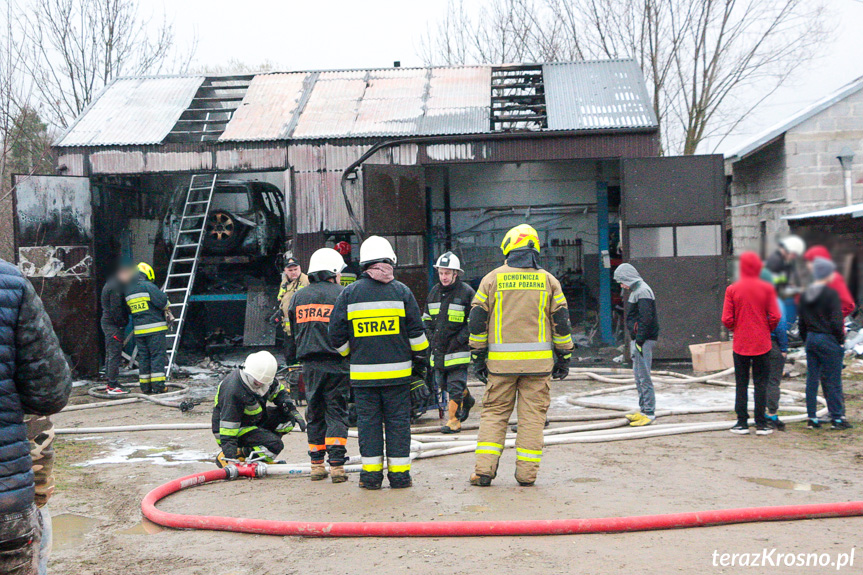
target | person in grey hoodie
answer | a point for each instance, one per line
(643, 327)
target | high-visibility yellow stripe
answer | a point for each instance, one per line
(525, 458)
(275, 394)
(489, 448)
(399, 468)
(255, 411)
(137, 300)
(245, 430)
(530, 451)
(157, 379)
(520, 355)
(560, 298)
(151, 330)
(344, 350)
(478, 337)
(498, 318)
(378, 312)
(562, 340)
(373, 467)
(419, 343)
(367, 375)
(481, 296)
(543, 301)
(229, 432)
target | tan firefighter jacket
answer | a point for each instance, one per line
(520, 316)
(287, 289)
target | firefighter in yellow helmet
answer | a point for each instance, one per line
(520, 337)
(148, 305)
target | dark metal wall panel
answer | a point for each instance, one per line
(394, 199)
(677, 190)
(305, 245)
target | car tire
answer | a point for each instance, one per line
(223, 234)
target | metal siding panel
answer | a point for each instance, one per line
(271, 156)
(73, 160)
(133, 111)
(597, 95)
(268, 109)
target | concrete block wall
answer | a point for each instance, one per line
(757, 179)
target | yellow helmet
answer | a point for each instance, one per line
(523, 236)
(147, 270)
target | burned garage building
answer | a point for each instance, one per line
(435, 158)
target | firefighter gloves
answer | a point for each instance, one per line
(478, 357)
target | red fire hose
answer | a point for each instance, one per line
(469, 528)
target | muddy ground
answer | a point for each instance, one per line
(101, 480)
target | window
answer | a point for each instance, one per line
(680, 241)
(234, 200)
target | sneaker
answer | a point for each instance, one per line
(840, 424)
(776, 423)
(763, 429)
(642, 420)
(111, 390)
(813, 424)
(633, 416)
(740, 429)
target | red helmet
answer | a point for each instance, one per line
(344, 248)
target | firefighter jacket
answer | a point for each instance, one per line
(520, 316)
(239, 410)
(350, 273)
(309, 314)
(147, 304)
(379, 326)
(445, 320)
(286, 291)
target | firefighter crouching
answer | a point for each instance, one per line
(445, 320)
(325, 371)
(246, 428)
(521, 336)
(149, 305)
(376, 322)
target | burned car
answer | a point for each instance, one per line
(247, 218)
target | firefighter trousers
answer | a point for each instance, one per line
(152, 356)
(327, 391)
(532, 393)
(262, 440)
(377, 407)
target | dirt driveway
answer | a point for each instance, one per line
(102, 479)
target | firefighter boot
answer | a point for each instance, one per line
(453, 424)
(480, 480)
(337, 473)
(467, 403)
(319, 471)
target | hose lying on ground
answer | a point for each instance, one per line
(163, 399)
(466, 528)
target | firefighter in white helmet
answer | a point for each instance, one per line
(325, 371)
(376, 322)
(445, 320)
(782, 265)
(244, 425)
(521, 337)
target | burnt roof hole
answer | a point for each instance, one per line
(518, 98)
(210, 110)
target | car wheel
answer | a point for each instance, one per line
(222, 233)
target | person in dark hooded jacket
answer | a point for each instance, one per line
(643, 330)
(822, 329)
(751, 312)
(34, 379)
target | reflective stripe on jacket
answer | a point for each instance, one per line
(378, 326)
(287, 289)
(147, 304)
(445, 320)
(524, 319)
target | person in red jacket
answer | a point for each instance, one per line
(837, 283)
(751, 312)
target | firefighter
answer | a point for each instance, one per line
(376, 322)
(293, 279)
(149, 305)
(520, 336)
(325, 371)
(445, 320)
(244, 425)
(352, 270)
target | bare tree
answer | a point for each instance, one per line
(708, 63)
(76, 47)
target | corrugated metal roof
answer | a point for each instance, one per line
(774, 132)
(603, 94)
(133, 111)
(369, 103)
(855, 211)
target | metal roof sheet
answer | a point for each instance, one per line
(774, 132)
(602, 94)
(132, 111)
(268, 110)
(855, 211)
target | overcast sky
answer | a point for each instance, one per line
(330, 34)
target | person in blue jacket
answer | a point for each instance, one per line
(776, 359)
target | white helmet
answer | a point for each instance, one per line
(262, 366)
(449, 261)
(793, 244)
(376, 248)
(326, 260)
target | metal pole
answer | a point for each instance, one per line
(605, 324)
(849, 198)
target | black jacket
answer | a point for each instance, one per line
(238, 410)
(114, 310)
(147, 304)
(309, 314)
(34, 379)
(641, 321)
(379, 326)
(351, 273)
(446, 324)
(821, 312)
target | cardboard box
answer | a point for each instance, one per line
(710, 357)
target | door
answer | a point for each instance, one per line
(395, 207)
(673, 214)
(54, 244)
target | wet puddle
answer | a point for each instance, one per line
(145, 527)
(786, 484)
(166, 455)
(69, 530)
